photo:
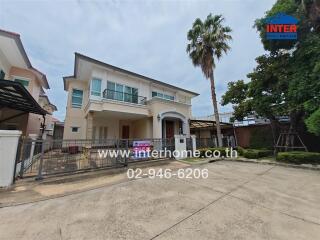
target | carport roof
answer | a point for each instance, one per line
(13, 95)
(195, 124)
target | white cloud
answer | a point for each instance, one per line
(147, 37)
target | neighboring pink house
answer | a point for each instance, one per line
(15, 66)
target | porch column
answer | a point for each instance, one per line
(186, 127)
(89, 125)
(157, 127)
(8, 150)
(194, 142)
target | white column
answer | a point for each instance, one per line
(180, 147)
(8, 151)
(194, 143)
(33, 144)
(186, 127)
(157, 127)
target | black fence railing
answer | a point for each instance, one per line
(47, 157)
(227, 141)
(124, 97)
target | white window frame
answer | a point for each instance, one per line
(14, 77)
(91, 90)
(123, 92)
(74, 106)
(162, 95)
(76, 128)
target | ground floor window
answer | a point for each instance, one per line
(103, 133)
(99, 132)
(74, 129)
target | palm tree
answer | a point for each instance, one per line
(207, 42)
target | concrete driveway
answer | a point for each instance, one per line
(237, 201)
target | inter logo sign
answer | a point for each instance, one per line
(281, 27)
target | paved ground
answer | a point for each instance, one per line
(237, 201)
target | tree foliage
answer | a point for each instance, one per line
(313, 122)
(207, 40)
(286, 81)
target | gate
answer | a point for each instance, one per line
(37, 158)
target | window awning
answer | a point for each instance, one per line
(196, 124)
(13, 95)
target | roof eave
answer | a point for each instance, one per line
(79, 55)
(65, 78)
(18, 41)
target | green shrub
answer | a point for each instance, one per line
(240, 151)
(202, 152)
(256, 153)
(222, 151)
(211, 150)
(297, 157)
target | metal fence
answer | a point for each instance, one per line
(124, 97)
(38, 158)
(227, 141)
(46, 157)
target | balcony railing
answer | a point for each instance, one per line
(124, 97)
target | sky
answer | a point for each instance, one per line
(146, 37)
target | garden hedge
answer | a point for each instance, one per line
(297, 157)
(248, 153)
(211, 150)
(256, 153)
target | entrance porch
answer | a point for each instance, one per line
(116, 125)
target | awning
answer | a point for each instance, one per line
(13, 95)
(196, 124)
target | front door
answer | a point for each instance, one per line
(169, 129)
(125, 132)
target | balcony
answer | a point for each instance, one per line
(124, 97)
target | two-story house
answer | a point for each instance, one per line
(105, 101)
(16, 66)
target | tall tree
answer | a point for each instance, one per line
(286, 81)
(208, 40)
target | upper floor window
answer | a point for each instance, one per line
(2, 74)
(163, 96)
(25, 83)
(77, 96)
(131, 94)
(96, 87)
(121, 92)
